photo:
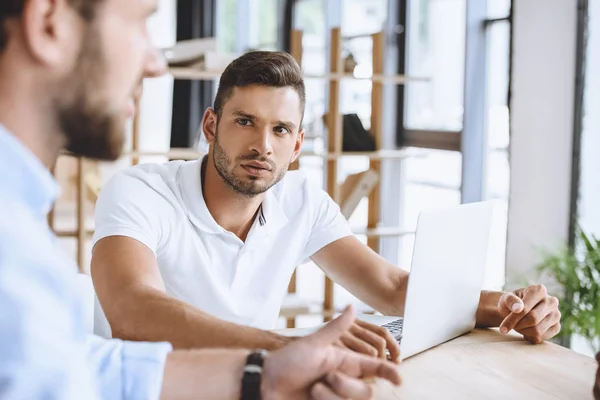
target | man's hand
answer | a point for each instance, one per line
(370, 339)
(531, 312)
(314, 367)
(597, 385)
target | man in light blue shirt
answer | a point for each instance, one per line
(69, 71)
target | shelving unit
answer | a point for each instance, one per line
(190, 154)
(194, 74)
(331, 156)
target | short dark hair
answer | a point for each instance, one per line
(262, 68)
(14, 8)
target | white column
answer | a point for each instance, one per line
(542, 103)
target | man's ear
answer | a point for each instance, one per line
(298, 145)
(209, 125)
(52, 31)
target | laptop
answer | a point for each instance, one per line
(446, 278)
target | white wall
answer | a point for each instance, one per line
(157, 101)
(589, 186)
(542, 102)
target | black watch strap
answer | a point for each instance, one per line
(252, 375)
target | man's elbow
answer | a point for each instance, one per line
(122, 318)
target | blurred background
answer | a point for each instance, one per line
(474, 100)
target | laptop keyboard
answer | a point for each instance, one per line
(395, 328)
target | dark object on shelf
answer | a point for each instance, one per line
(355, 136)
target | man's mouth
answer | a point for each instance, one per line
(257, 169)
(259, 165)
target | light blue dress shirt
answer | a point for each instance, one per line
(45, 352)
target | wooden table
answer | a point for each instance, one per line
(487, 365)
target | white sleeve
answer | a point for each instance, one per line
(129, 206)
(329, 224)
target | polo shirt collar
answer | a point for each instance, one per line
(271, 217)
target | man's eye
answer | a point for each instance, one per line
(243, 122)
(281, 130)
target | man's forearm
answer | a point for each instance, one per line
(487, 312)
(147, 314)
(203, 374)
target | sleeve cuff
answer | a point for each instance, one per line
(325, 237)
(102, 233)
(143, 369)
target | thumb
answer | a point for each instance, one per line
(336, 328)
(511, 302)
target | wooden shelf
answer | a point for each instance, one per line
(190, 154)
(74, 233)
(196, 74)
(379, 78)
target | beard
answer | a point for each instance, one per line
(90, 126)
(250, 186)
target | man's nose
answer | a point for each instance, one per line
(156, 64)
(262, 144)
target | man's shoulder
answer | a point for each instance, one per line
(20, 232)
(141, 181)
(297, 189)
(151, 172)
(296, 183)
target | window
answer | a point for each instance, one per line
(436, 51)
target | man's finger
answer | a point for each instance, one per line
(510, 303)
(509, 323)
(348, 387)
(320, 391)
(537, 334)
(531, 296)
(335, 329)
(391, 343)
(548, 334)
(370, 338)
(358, 345)
(361, 366)
(547, 308)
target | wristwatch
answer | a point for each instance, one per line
(252, 375)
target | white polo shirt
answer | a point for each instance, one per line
(162, 206)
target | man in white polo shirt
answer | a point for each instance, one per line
(200, 253)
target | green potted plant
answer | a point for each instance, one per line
(578, 273)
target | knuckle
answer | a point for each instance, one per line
(541, 289)
(537, 317)
(554, 301)
(558, 315)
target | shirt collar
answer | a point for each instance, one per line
(271, 216)
(23, 175)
